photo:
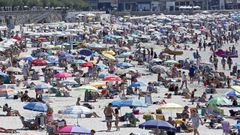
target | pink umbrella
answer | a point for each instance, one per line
(73, 130)
(63, 75)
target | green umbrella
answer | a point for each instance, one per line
(86, 87)
(69, 82)
(221, 101)
(171, 62)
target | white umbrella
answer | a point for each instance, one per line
(77, 110)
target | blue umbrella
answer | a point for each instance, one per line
(102, 66)
(36, 106)
(30, 58)
(65, 56)
(237, 126)
(78, 61)
(160, 124)
(232, 93)
(128, 103)
(5, 77)
(138, 84)
(85, 52)
(124, 55)
(42, 54)
(163, 30)
(124, 65)
(52, 61)
(102, 75)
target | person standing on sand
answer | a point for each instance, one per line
(116, 114)
(184, 80)
(195, 122)
(108, 112)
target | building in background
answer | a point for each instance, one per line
(163, 5)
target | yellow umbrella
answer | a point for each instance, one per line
(98, 84)
(109, 56)
(171, 106)
(236, 88)
(111, 52)
(22, 55)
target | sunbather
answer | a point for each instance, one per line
(4, 130)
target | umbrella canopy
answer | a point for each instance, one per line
(36, 106)
(7, 92)
(69, 82)
(98, 84)
(14, 69)
(86, 87)
(39, 62)
(128, 103)
(171, 106)
(236, 88)
(65, 56)
(158, 69)
(73, 130)
(87, 64)
(159, 124)
(112, 78)
(109, 56)
(63, 75)
(41, 39)
(170, 62)
(77, 110)
(232, 93)
(138, 84)
(124, 65)
(43, 86)
(121, 71)
(78, 62)
(102, 66)
(124, 55)
(85, 52)
(221, 101)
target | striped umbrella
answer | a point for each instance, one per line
(7, 92)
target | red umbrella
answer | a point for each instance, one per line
(112, 79)
(41, 38)
(39, 62)
(63, 75)
(18, 38)
(87, 64)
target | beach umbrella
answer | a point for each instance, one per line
(170, 62)
(102, 66)
(86, 64)
(138, 84)
(86, 87)
(232, 93)
(95, 46)
(77, 110)
(158, 124)
(7, 92)
(85, 52)
(112, 79)
(39, 62)
(221, 101)
(121, 71)
(124, 65)
(65, 56)
(98, 84)
(156, 60)
(158, 69)
(69, 82)
(128, 103)
(111, 52)
(170, 106)
(29, 58)
(102, 75)
(43, 86)
(237, 126)
(18, 38)
(5, 77)
(63, 75)
(14, 69)
(78, 62)
(42, 54)
(40, 38)
(236, 88)
(109, 56)
(52, 61)
(36, 106)
(73, 130)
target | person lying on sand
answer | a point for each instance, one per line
(4, 130)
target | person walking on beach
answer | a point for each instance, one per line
(195, 122)
(223, 62)
(116, 114)
(184, 80)
(215, 62)
(108, 112)
(229, 62)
